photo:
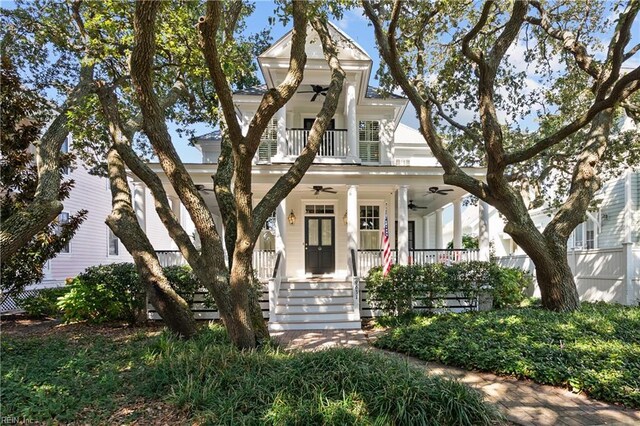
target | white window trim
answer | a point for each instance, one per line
(109, 255)
(381, 123)
(380, 204)
(320, 201)
(62, 253)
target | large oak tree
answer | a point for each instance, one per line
(451, 56)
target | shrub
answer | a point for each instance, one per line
(105, 293)
(44, 303)
(183, 281)
(509, 286)
(114, 293)
(398, 292)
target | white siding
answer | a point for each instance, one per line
(89, 245)
(612, 206)
(156, 232)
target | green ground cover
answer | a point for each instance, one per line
(595, 350)
(90, 376)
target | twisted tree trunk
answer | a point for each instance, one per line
(173, 309)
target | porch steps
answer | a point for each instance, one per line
(315, 305)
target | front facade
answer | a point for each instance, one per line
(368, 167)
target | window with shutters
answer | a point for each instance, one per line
(268, 142)
(369, 141)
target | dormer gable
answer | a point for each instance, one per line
(348, 49)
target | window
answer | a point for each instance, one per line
(369, 227)
(114, 243)
(412, 235)
(319, 209)
(369, 141)
(268, 141)
(65, 150)
(267, 240)
(63, 218)
(577, 237)
(590, 236)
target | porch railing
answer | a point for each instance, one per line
(263, 261)
(368, 259)
(334, 142)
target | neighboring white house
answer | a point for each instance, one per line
(94, 243)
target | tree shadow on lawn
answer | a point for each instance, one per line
(92, 378)
(594, 350)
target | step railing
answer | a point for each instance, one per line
(334, 142)
(274, 287)
(355, 283)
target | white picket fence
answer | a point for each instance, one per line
(606, 274)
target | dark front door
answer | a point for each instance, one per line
(319, 245)
(328, 145)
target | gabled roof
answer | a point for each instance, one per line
(372, 92)
(348, 48)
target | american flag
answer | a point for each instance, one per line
(386, 246)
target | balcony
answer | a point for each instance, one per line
(334, 143)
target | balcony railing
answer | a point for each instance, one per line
(263, 261)
(334, 142)
(368, 259)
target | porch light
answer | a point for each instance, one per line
(291, 218)
(344, 218)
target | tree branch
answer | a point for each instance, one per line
(208, 27)
(156, 130)
(625, 87)
(276, 98)
(122, 144)
(294, 175)
(472, 54)
(453, 173)
(569, 41)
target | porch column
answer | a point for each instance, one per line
(483, 230)
(403, 225)
(352, 125)
(175, 208)
(457, 224)
(439, 245)
(140, 204)
(425, 232)
(281, 233)
(352, 223)
(281, 117)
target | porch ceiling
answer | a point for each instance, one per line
(372, 182)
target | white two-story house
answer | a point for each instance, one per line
(368, 165)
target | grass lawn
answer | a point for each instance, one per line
(98, 375)
(595, 350)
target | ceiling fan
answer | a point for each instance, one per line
(317, 89)
(414, 207)
(436, 190)
(319, 188)
(202, 188)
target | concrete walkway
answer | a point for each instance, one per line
(523, 402)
